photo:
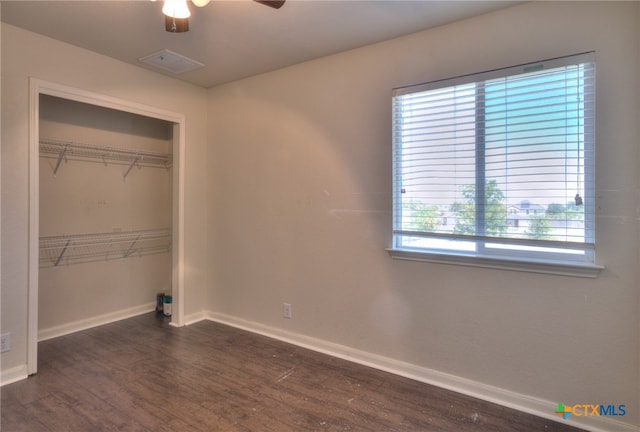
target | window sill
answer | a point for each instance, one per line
(564, 268)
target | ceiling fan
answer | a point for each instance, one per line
(176, 12)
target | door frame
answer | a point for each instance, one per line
(39, 87)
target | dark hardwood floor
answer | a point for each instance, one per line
(141, 374)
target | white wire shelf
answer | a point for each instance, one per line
(67, 150)
(83, 248)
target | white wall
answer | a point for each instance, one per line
(24, 55)
(301, 213)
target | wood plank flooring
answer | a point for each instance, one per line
(141, 374)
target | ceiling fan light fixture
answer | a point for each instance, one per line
(176, 25)
(176, 9)
(200, 3)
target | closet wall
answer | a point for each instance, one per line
(105, 216)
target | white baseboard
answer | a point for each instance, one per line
(14, 374)
(64, 329)
(521, 402)
(197, 317)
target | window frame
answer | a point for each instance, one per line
(556, 258)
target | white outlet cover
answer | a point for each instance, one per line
(286, 310)
(5, 342)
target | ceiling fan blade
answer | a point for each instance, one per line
(276, 4)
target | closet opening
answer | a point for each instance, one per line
(105, 212)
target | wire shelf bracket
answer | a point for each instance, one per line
(64, 249)
(130, 250)
(131, 165)
(60, 158)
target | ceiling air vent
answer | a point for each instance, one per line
(171, 61)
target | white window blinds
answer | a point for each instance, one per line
(498, 163)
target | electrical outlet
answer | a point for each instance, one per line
(5, 342)
(286, 310)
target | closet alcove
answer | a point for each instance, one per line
(105, 213)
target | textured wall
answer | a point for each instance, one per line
(301, 212)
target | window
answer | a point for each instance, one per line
(497, 166)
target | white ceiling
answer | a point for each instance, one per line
(235, 39)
